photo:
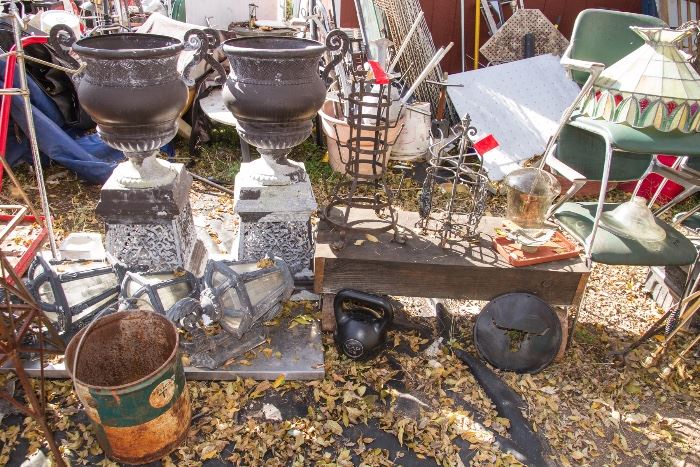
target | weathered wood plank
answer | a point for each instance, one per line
(421, 268)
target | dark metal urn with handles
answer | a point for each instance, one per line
(131, 87)
(133, 91)
(362, 321)
(274, 90)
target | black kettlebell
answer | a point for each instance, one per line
(360, 331)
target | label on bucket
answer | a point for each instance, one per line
(163, 393)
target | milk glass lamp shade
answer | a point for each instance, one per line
(158, 291)
(71, 293)
(243, 293)
(633, 220)
(655, 86)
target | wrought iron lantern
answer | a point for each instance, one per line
(71, 293)
(158, 291)
(241, 294)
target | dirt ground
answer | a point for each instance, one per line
(587, 409)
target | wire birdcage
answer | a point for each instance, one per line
(454, 194)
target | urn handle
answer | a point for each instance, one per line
(203, 42)
(338, 44)
(61, 39)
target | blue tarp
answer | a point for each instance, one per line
(87, 155)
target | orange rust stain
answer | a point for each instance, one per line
(154, 439)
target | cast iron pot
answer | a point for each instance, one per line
(274, 90)
(360, 331)
(132, 89)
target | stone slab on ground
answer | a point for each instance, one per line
(300, 358)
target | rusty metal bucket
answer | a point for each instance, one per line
(131, 382)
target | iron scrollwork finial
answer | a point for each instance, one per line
(338, 44)
(61, 39)
(203, 42)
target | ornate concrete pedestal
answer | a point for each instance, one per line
(150, 228)
(275, 220)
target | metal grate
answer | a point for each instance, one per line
(400, 15)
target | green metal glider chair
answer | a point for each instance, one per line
(586, 149)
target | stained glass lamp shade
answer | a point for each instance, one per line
(653, 87)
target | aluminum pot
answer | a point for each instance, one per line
(131, 382)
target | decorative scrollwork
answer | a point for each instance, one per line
(61, 39)
(203, 42)
(338, 44)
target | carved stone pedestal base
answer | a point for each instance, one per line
(274, 220)
(150, 229)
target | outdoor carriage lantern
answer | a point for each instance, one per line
(158, 291)
(243, 293)
(71, 293)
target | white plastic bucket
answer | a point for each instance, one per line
(414, 140)
(51, 18)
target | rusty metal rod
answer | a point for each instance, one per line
(214, 184)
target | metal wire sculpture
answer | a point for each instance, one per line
(460, 175)
(368, 110)
(24, 329)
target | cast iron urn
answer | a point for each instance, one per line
(131, 87)
(133, 91)
(274, 90)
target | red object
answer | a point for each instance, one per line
(651, 184)
(380, 76)
(485, 144)
(511, 251)
(22, 264)
(7, 99)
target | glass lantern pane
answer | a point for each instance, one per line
(244, 267)
(217, 279)
(232, 320)
(94, 308)
(80, 290)
(262, 287)
(158, 278)
(230, 300)
(170, 295)
(46, 293)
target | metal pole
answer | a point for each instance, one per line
(213, 184)
(19, 50)
(462, 32)
(477, 32)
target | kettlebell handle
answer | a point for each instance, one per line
(380, 302)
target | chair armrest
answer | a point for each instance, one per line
(577, 180)
(594, 68)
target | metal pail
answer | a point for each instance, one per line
(131, 382)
